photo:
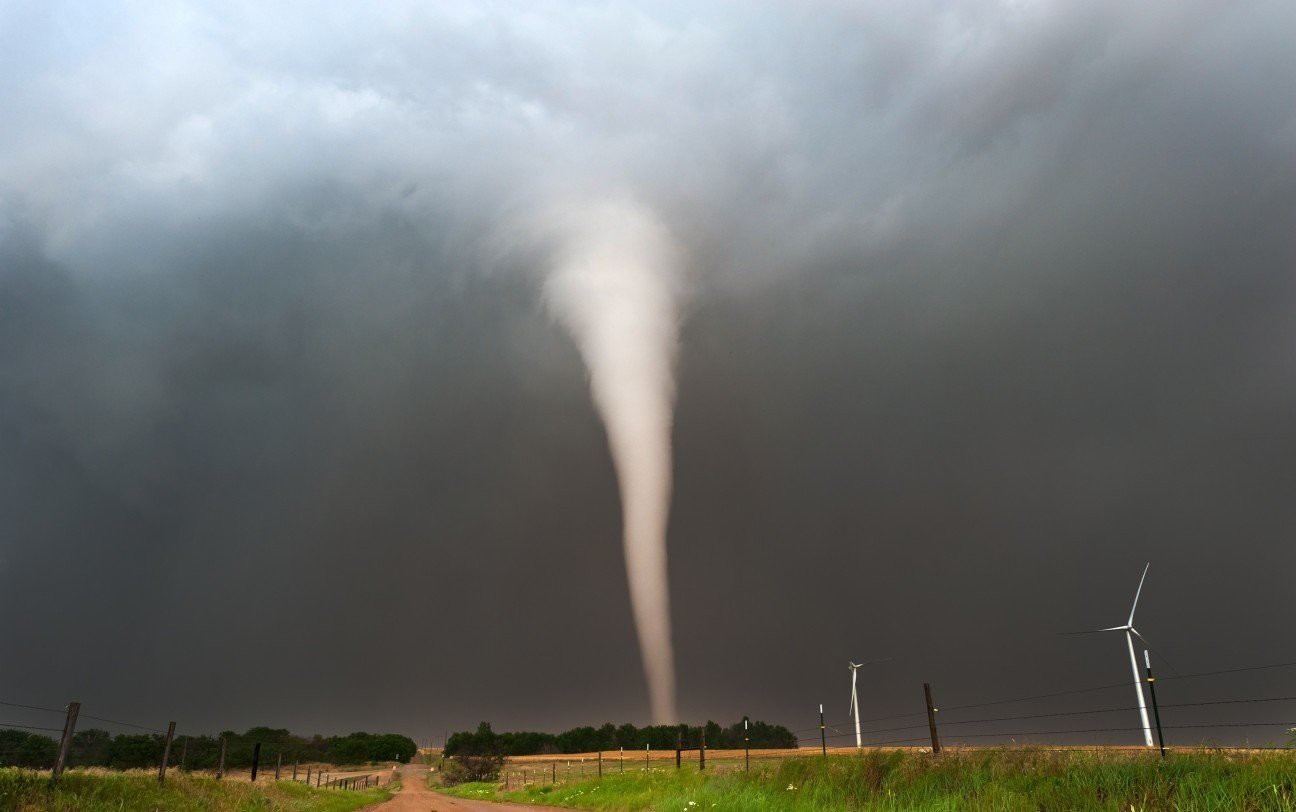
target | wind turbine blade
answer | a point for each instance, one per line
(1093, 631)
(875, 662)
(1130, 622)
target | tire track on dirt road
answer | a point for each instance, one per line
(414, 796)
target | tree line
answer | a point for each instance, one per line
(98, 748)
(484, 741)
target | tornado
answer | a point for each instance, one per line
(614, 286)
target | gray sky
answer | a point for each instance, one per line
(989, 304)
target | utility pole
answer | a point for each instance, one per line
(931, 718)
(1156, 712)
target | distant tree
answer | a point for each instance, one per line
(18, 748)
(91, 747)
(609, 737)
(135, 751)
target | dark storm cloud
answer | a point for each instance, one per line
(990, 304)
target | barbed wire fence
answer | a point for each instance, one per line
(921, 729)
(314, 774)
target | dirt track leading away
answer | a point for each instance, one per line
(415, 796)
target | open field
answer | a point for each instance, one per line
(972, 779)
(96, 790)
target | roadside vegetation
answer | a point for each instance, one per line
(139, 791)
(994, 779)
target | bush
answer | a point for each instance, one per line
(462, 769)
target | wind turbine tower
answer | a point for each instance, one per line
(854, 701)
(1130, 634)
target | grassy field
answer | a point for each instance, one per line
(993, 779)
(101, 791)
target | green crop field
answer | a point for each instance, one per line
(101, 791)
(990, 779)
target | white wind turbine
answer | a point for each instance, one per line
(1130, 634)
(854, 702)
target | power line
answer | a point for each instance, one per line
(1230, 671)
(31, 727)
(33, 707)
(123, 724)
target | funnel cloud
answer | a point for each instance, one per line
(614, 288)
(931, 321)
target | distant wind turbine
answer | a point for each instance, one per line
(854, 702)
(1130, 634)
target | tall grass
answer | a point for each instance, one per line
(1003, 779)
(102, 791)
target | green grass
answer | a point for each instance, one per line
(1000, 780)
(101, 791)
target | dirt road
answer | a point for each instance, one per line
(414, 796)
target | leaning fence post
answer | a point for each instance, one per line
(69, 730)
(256, 759)
(1156, 711)
(823, 734)
(166, 752)
(931, 718)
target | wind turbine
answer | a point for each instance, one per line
(1130, 634)
(854, 702)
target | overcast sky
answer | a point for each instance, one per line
(988, 305)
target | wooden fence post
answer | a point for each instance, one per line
(702, 751)
(184, 752)
(931, 718)
(256, 759)
(278, 764)
(220, 771)
(69, 730)
(166, 752)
